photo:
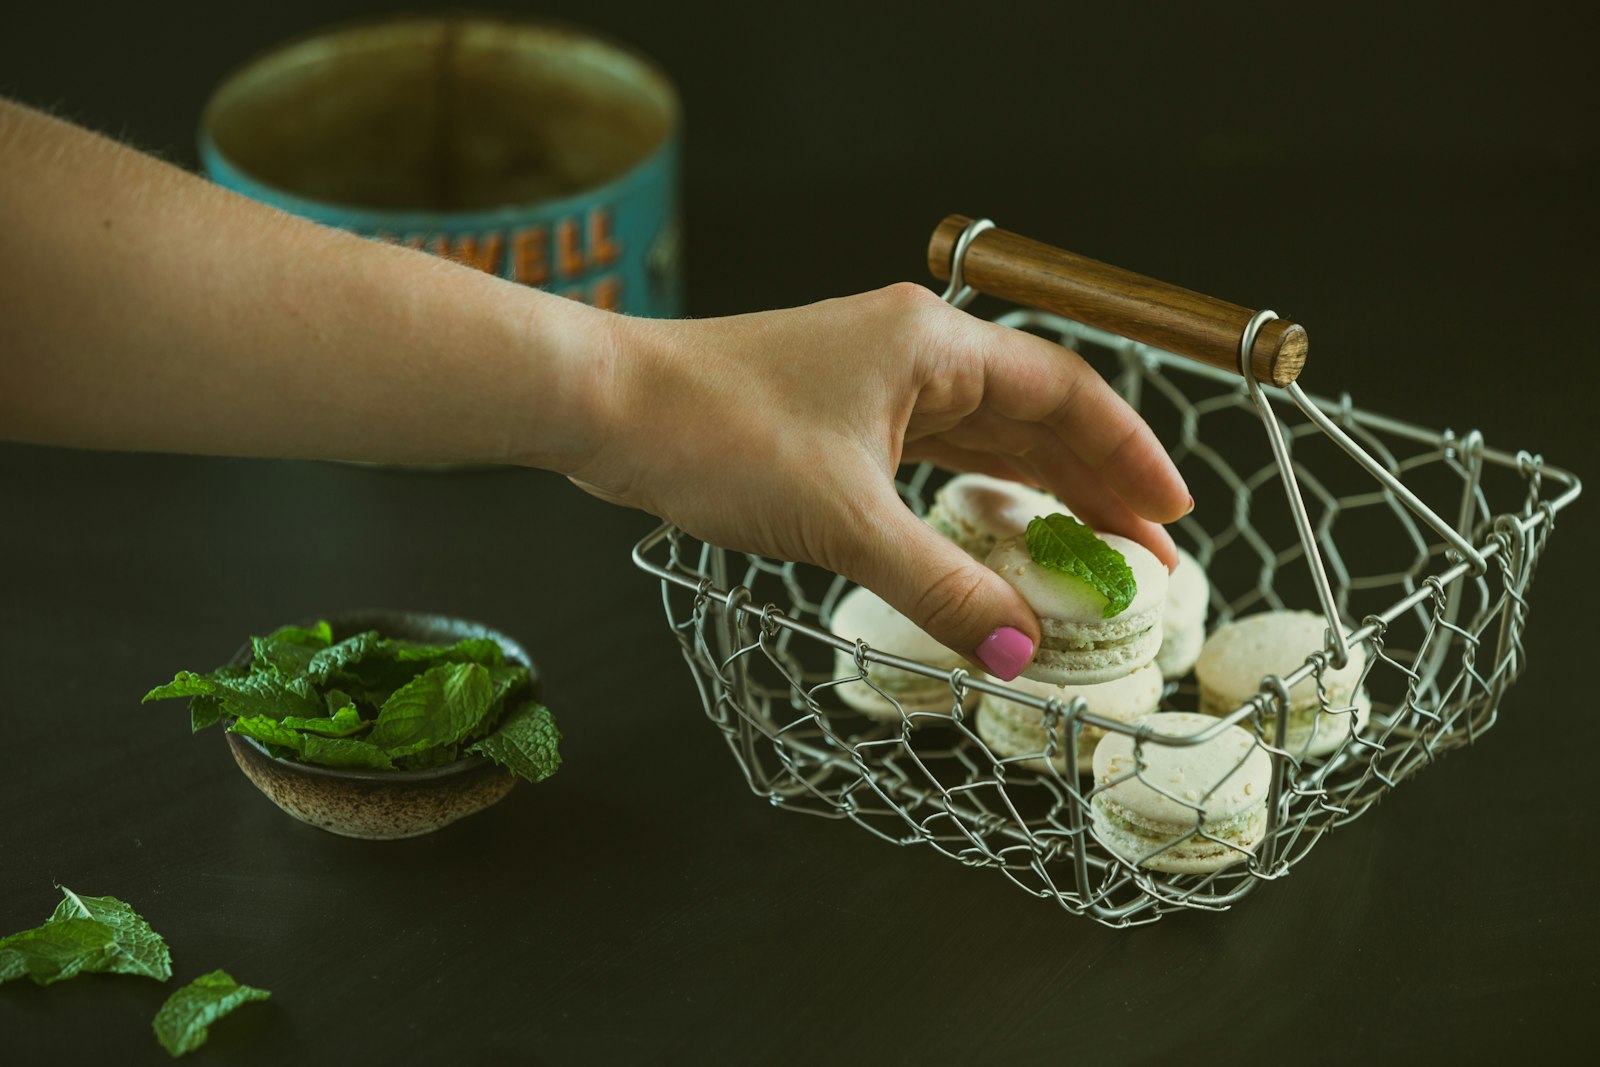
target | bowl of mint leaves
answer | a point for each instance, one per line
(378, 724)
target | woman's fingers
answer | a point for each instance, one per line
(1030, 379)
(958, 601)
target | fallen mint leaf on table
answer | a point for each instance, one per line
(136, 948)
(183, 1023)
(1062, 543)
(56, 951)
(86, 935)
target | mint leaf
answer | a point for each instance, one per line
(438, 707)
(344, 722)
(344, 752)
(343, 657)
(524, 743)
(204, 711)
(269, 731)
(135, 949)
(228, 693)
(56, 951)
(288, 651)
(429, 757)
(82, 936)
(1064, 544)
(484, 650)
(183, 1023)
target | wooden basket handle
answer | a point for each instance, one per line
(1142, 309)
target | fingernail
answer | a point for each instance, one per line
(1005, 652)
(1190, 507)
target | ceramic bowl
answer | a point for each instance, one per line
(381, 805)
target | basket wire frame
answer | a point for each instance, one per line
(1439, 615)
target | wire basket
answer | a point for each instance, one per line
(1329, 508)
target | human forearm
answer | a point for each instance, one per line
(148, 309)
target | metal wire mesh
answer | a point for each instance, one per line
(1442, 637)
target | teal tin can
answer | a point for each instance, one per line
(536, 152)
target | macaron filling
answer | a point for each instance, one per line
(1013, 729)
(1235, 837)
(1309, 733)
(861, 615)
(1218, 786)
(1078, 644)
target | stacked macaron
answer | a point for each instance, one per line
(1011, 729)
(861, 615)
(1183, 619)
(1240, 654)
(1079, 644)
(975, 511)
(1188, 809)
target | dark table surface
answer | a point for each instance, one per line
(1419, 194)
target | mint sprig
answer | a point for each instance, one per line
(375, 702)
(1062, 543)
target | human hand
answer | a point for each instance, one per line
(779, 433)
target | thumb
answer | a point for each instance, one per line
(958, 601)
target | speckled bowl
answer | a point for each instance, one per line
(381, 805)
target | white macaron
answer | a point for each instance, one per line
(861, 615)
(976, 510)
(1181, 809)
(1183, 619)
(1012, 729)
(1077, 645)
(1241, 653)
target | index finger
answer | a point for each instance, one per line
(1031, 379)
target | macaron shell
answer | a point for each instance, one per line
(1188, 594)
(1239, 654)
(1225, 776)
(1096, 666)
(1190, 855)
(976, 510)
(914, 692)
(1311, 734)
(1011, 729)
(861, 615)
(1180, 647)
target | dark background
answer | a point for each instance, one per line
(1416, 188)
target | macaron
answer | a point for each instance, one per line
(861, 615)
(976, 510)
(1077, 646)
(1183, 619)
(1182, 810)
(1012, 729)
(1238, 655)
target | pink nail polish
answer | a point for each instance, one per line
(1005, 652)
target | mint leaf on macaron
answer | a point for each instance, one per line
(1062, 543)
